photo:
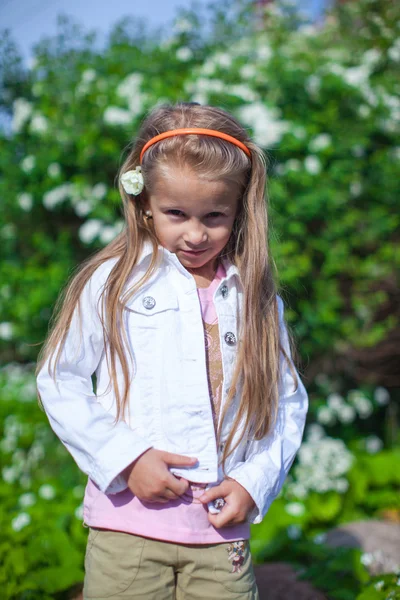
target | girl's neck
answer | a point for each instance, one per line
(204, 275)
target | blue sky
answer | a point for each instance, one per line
(30, 20)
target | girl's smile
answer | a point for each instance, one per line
(193, 217)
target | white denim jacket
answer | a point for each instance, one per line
(169, 401)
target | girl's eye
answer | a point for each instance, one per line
(175, 212)
(214, 215)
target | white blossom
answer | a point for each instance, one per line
(313, 165)
(264, 52)
(90, 230)
(315, 432)
(300, 132)
(132, 181)
(27, 499)
(88, 75)
(373, 444)
(28, 163)
(364, 111)
(130, 89)
(10, 474)
(107, 234)
(87, 78)
(313, 85)
(294, 532)
(381, 396)
(248, 72)
(369, 95)
(20, 521)
(6, 330)
(58, 195)
(335, 402)
(222, 59)
(113, 115)
(320, 142)
(79, 512)
(25, 481)
(99, 191)
(336, 69)
(47, 491)
(346, 414)
(341, 485)
(322, 465)
(83, 207)
(379, 585)
(267, 128)
(243, 91)
(8, 444)
(54, 169)
(371, 57)
(295, 509)
(356, 188)
(39, 124)
(357, 76)
(36, 453)
(208, 67)
(362, 405)
(183, 26)
(25, 201)
(206, 86)
(307, 29)
(22, 110)
(184, 54)
(394, 51)
(367, 559)
(8, 231)
(293, 164)
(358, 151)
(319, 538)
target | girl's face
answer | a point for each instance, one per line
(193, 218)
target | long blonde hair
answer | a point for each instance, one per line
(257, 368)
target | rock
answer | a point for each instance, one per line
(379, 540)
(278, 581)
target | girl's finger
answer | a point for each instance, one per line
(156, 500)
(170, 494)
(177, 486)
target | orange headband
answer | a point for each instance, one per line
(195, 130)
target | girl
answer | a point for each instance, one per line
(197, 411)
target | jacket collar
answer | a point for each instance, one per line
(147, 250)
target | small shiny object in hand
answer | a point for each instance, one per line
(216, 505)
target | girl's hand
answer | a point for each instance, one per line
(238, 503)
(150, 479)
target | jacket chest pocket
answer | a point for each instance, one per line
(151, 319)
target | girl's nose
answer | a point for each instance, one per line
(196, 235)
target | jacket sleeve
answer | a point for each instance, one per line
(101, 448)
(268, 461)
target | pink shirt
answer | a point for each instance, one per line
(184, 520)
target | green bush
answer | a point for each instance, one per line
(320, 101)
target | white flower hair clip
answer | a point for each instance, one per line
(132, 181)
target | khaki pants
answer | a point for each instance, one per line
(122, 565)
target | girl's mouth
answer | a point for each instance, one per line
(193, 252)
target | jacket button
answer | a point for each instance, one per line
(148, 302)
(230, 338)
(224, 291)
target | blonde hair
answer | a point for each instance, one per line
(257, 369)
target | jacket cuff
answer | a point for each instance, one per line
(113, 458)
(252, 483)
